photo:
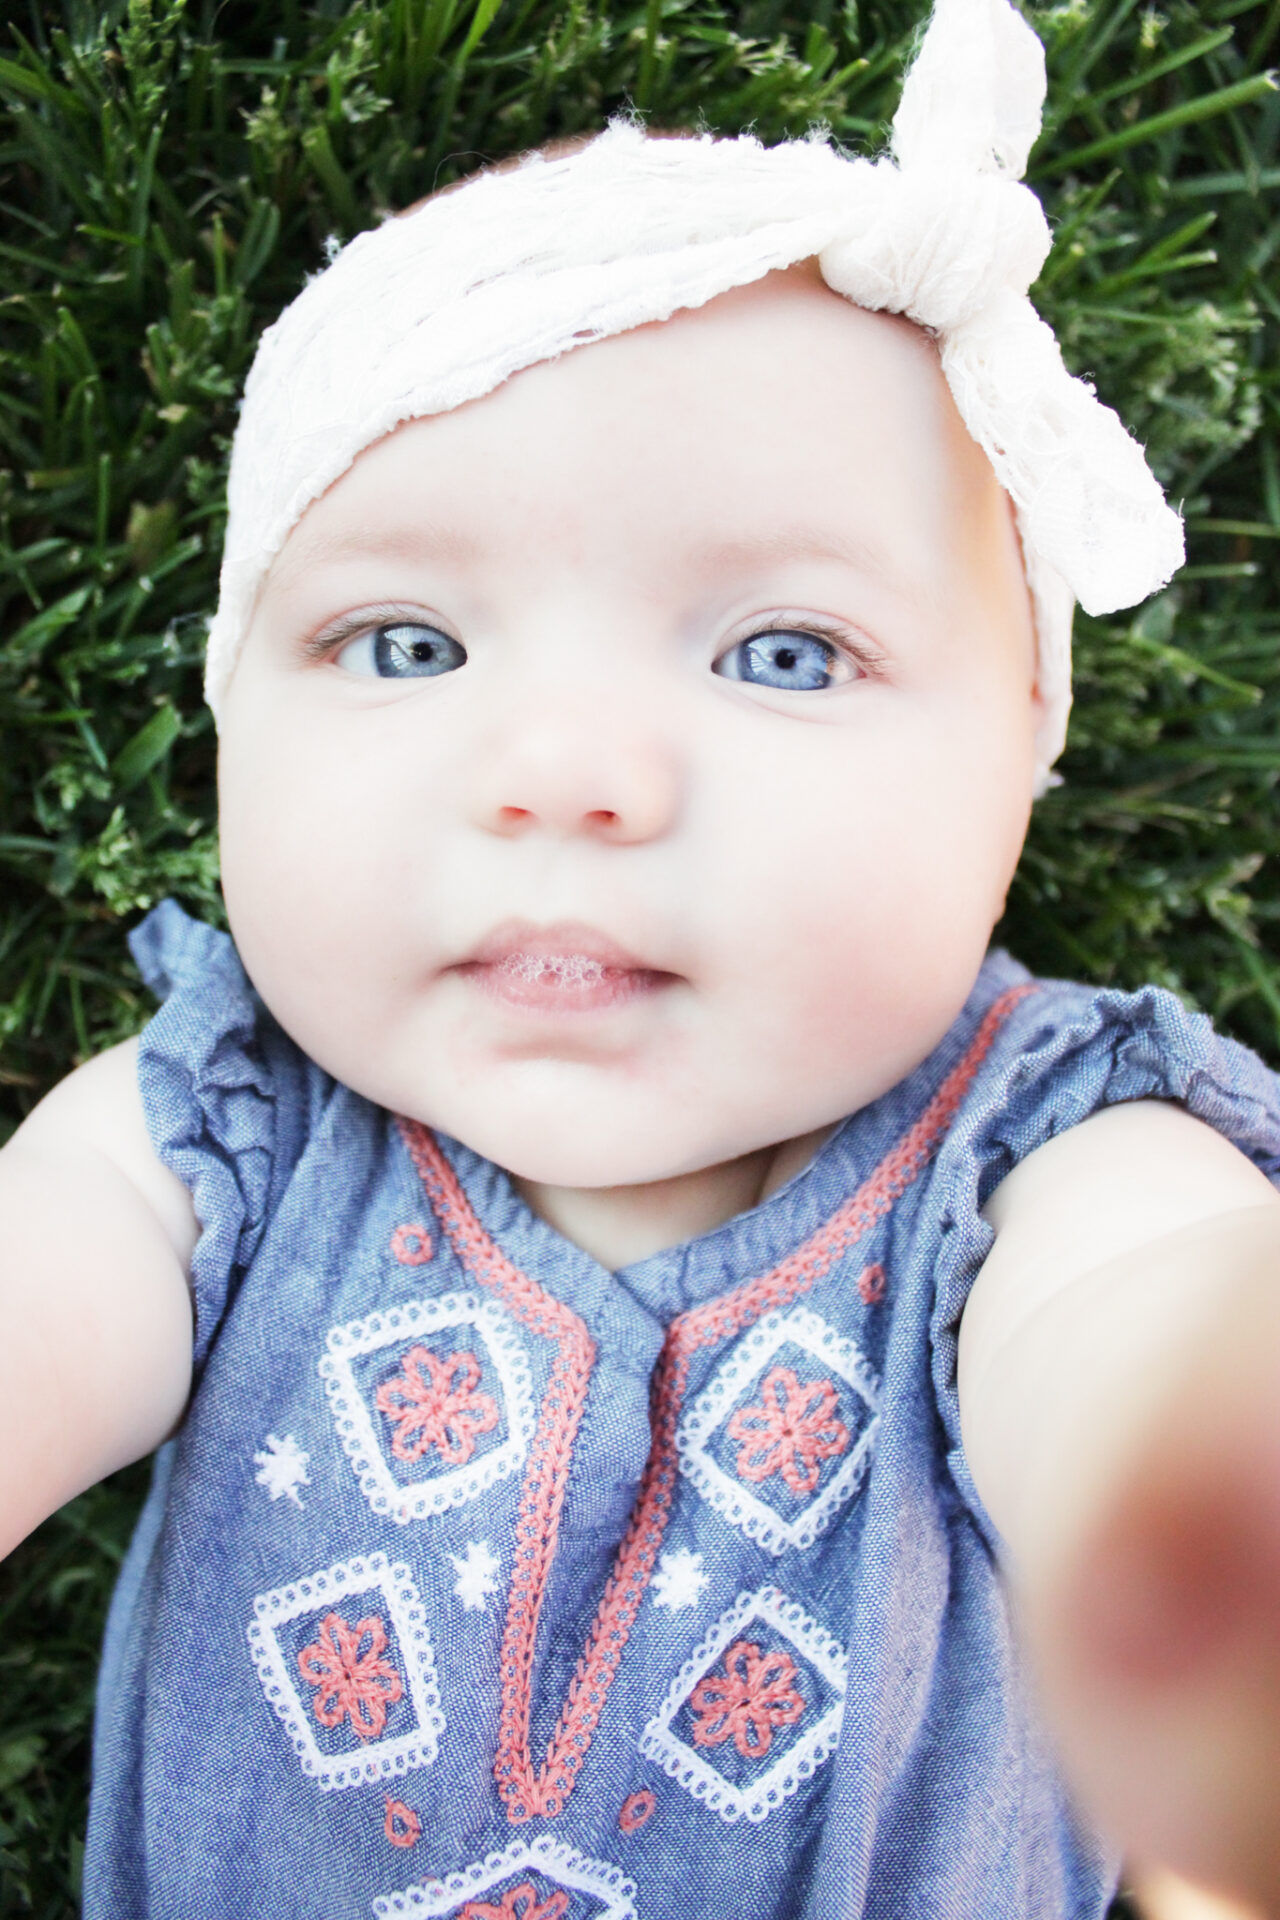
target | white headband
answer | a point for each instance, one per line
(424, 312)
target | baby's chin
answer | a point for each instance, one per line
(601, 1149)
(634, 1117)
(565, 1157)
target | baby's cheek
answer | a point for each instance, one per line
(300, 874)
(866, 940)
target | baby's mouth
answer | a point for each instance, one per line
(567, 968)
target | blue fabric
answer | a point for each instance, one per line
(815, 1709)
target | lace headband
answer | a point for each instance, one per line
(427, 311)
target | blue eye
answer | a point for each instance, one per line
(797, 662)
(403, 652)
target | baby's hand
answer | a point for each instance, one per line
(1163, 1896)
(1157, 1640)
(1120, 1398)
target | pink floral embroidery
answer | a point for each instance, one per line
(871, 1284)
(350, 1684)
(434, 1403)
(791, 1432)
(527, 1788)
(411, 1245)
(753, 1696)
(529, 1907)
(636, 1810)
(402, 1825)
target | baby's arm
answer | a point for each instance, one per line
(95, 1314)
(1120, 1401)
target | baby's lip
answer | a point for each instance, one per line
(559, 971)
(518, 944)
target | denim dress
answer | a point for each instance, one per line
(482, 1582)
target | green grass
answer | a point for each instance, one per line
(168, 176)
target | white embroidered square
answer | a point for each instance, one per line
(368, 1665)
(521, 1865)
(456, 1418)
(743, 1691)
(798, 1426)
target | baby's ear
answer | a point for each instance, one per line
(1039, 704)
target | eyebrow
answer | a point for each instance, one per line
(859, 552)
(422, 541)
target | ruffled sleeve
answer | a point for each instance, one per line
(210, 1097)
(1065, 1052)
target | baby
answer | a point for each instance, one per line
(622, 1273)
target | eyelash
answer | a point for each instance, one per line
(860, 651)
(325, 644)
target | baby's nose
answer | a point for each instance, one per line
(585, 768)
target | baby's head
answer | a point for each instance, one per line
(709, 645)
(626, 750)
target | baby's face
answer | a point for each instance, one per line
(624, 772)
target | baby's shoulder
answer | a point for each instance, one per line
(97, 1111)
(1066, 1051)
(222, 1085)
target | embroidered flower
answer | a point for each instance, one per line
(520, 1903)
(350, 1684)
(434, 1403)
(752, 1697)
(790, 1432)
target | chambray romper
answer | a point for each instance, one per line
(481, 1582)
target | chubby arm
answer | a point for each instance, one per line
(1120, 1401)
(95, 1315)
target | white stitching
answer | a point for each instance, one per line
(375, 1759)
(802, 1759)
(575, 1871)
(742, 1508)
(419, 1500)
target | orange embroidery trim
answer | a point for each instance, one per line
(524, 1791)
(871, 1284)
(636, 1810)
(402, 1825)
(527, 1791)
(521, 1903)
(411, 1245)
